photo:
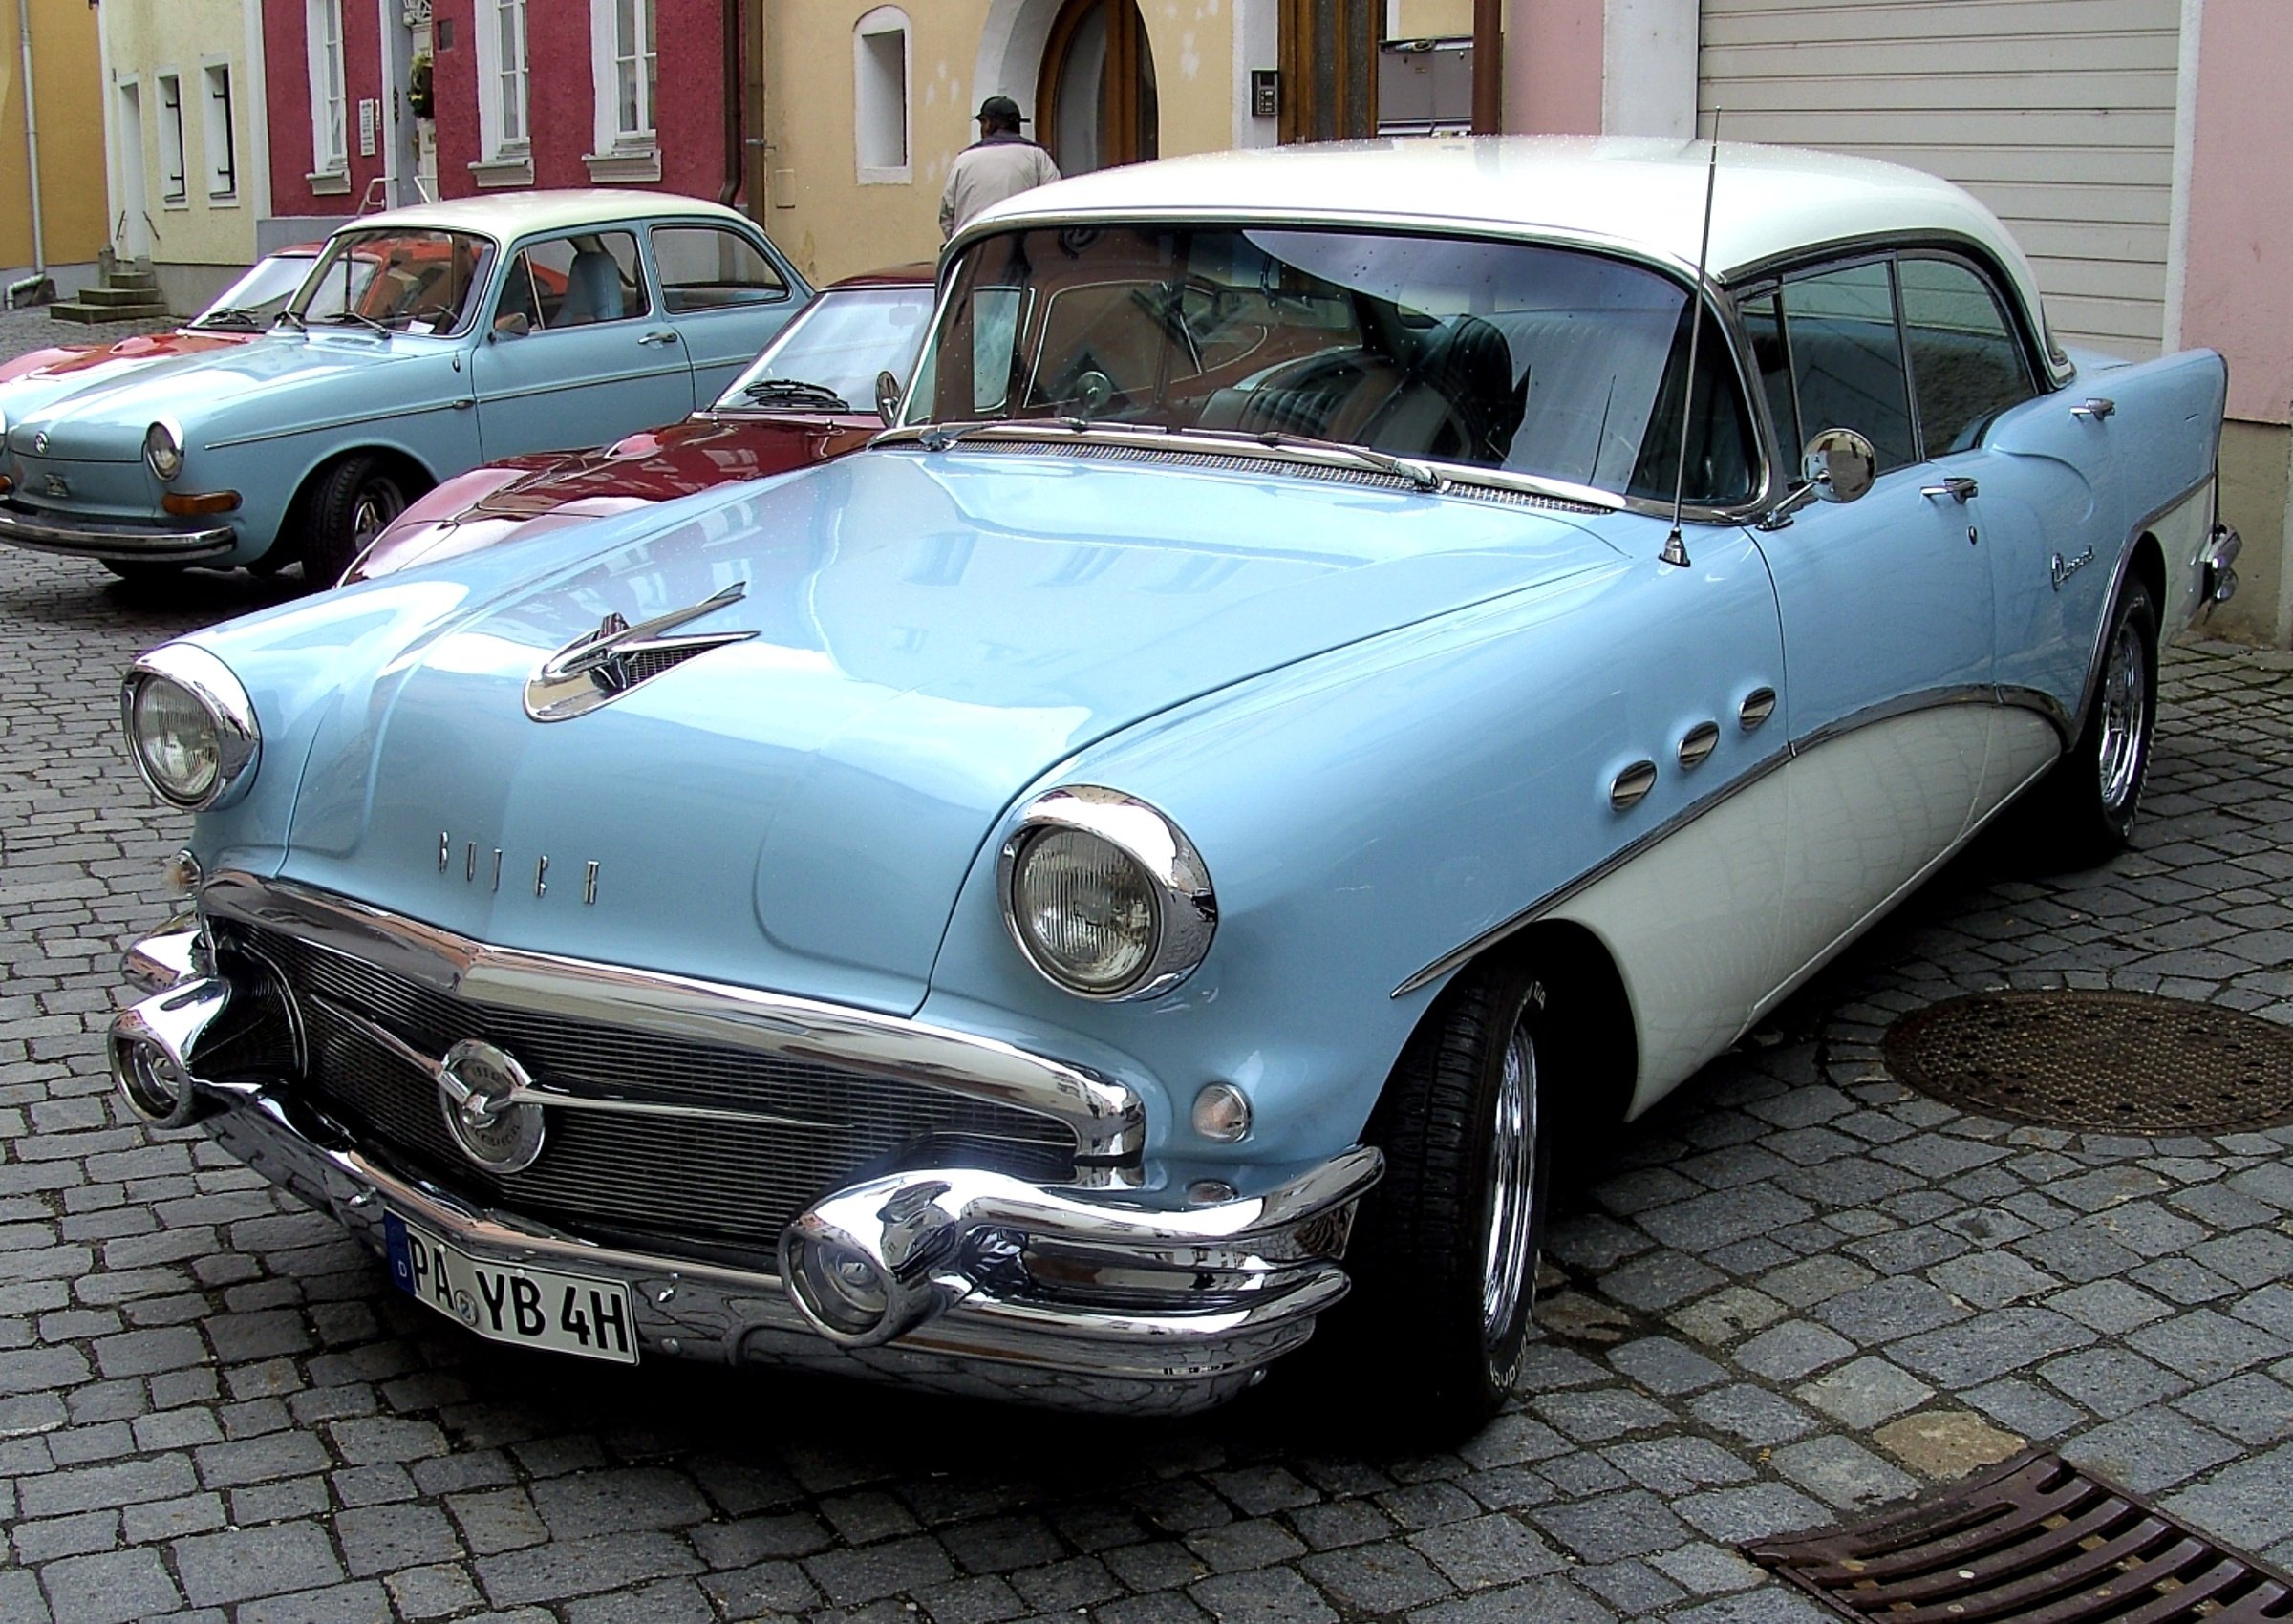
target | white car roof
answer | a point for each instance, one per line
(1641, 195)
(509, 215)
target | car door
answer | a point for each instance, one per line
(1886, 603)
(2030, 479)
(576, 354)
(724, 294)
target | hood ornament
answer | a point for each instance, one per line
(600, 666)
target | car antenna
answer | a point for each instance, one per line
(1676, 551)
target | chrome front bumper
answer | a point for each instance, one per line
(988, 1285)
(27, 527)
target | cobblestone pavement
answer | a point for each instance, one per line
(1795, 1291)
(33, 328)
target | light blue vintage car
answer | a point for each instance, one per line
(424, 342)
(1181, 827)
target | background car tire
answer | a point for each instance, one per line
(346, 506)
(1445, 1252)
(2085, 809)
(137, 573)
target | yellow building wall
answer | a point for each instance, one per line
(152, 37)
(1430, 19)
(68, 103)
(833, 224)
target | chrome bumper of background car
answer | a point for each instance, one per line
(973, 1281)
(26, 527)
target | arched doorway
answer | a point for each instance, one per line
(1095, 104)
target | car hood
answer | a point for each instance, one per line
(929, 635)
(104, 421)
(680, 460)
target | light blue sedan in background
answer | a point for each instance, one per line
(1355, 664)
(424, 342)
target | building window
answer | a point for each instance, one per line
(501, 80)
(222, 147)
(323, 42)
(173, 187)
(880, 95)
(625, 72)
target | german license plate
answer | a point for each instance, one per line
(534, 1308)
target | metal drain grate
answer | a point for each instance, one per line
(2037, 1542)
(2116, 1062)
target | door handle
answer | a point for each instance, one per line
(2094, 408)
(667, 337)
(1958, 486)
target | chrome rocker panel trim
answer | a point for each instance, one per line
(1036, 1296)
(1106, 1116)
(125, 543)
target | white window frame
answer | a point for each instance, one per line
(606, 60)
(330, 106)
(219, 134)
(175, 159)
(872, 110)
(504, 160)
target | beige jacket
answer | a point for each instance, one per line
(1001, 167)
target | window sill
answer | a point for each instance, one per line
(176, 206)
(330, 184)
(507, 169)
(624, 164)
(903, 176)
(223, 199)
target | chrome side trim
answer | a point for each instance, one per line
(1961, 693)
(1107, 1117)
(21, 526)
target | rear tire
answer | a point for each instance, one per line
(2084, 811)
(1445, 1252)
(346, 505)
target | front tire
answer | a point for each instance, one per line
(346, 507)
(1445, 1252)
(2086, 808)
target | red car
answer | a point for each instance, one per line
(809, 397)
(242, 311)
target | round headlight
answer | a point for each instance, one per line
(190, 727)
(1104, 895)
(163, 450)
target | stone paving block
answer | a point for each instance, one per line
(1990, 1345)
(1758, 1416)
(1787, 1352)
(1864, 1393)
(1385, 1577)
(113, 1588)
(2206, 1346)
(1276, 1595)
(2151, 1449)
(1751, 1513)
(2112, 1307)
(379, 1539)
(2248, 1503)
(1842, 1472)
(241, 1564)
(583, 1567)
(365, 1602)
(1549, 1602)
(2111, 1381)
(422, 1593)
(2254, 1409)
(1604, 1527)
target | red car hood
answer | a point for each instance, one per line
(65, 360)
(501, 501)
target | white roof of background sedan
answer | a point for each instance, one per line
(514, 214)
(1640, 193)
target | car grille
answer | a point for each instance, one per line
(712, 1183)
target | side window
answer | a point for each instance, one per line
(1847, 357)
(1967, 364)
(704, 267)
(1764, 322)
(576, 281)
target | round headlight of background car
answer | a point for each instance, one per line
(190, 727)
(1104, 895)
(164, 449)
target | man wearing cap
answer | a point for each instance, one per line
(1002, 163)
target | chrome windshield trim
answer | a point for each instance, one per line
(1107, 1117)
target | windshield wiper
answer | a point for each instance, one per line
(293, 319)
(791, 390)
(1419, 474)
(343, 318)
(234, 316)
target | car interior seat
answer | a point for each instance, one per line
(592, 289)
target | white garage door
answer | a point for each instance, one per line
(2058, 113)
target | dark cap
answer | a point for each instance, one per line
(1002, 108)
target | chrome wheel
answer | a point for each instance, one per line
(1511, 1190)
(2125, 701)
(378, 504)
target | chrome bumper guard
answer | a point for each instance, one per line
(2217, 572)
(956, 1278)
(27, 527)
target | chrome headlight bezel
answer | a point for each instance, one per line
(213, 687)
(163, 450)
(1178, 880)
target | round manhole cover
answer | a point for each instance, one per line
(2123, 1062)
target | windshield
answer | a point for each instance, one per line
(417, 282)
(254, 301)
(838, 343)
(1540, 360)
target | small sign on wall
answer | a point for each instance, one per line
(370, 120)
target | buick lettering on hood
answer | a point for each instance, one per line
(1314, 700)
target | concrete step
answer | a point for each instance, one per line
(131, 278)
(114, 294)
(78, 311)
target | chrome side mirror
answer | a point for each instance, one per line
(1840, 465)
(888, 397)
